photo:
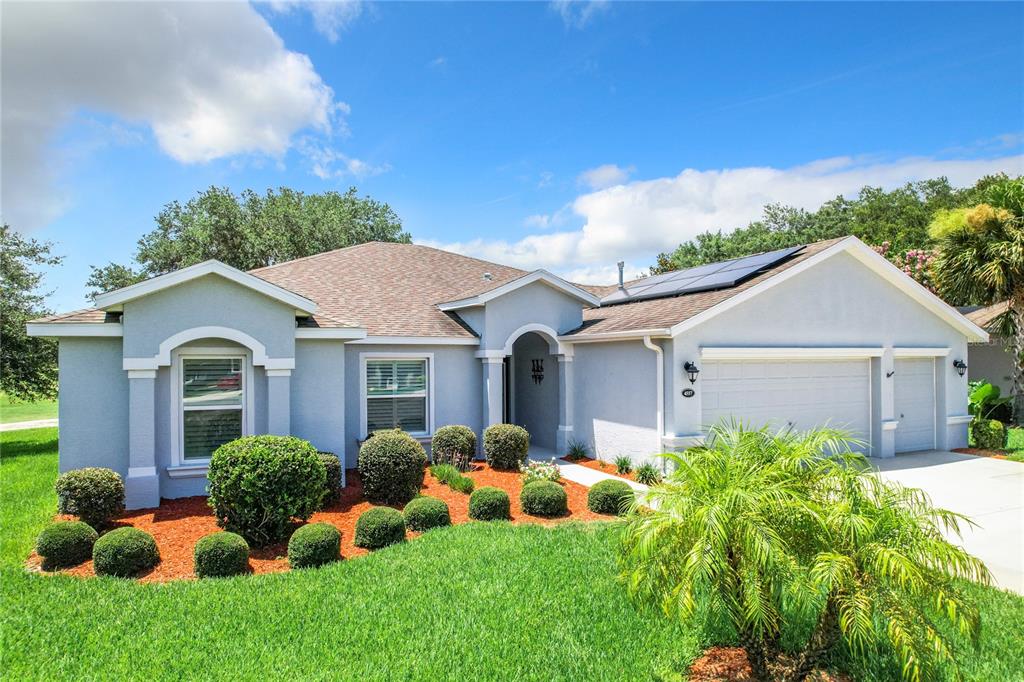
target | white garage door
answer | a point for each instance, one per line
(801, 393)
(914, 397)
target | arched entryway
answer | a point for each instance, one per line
(533, 385)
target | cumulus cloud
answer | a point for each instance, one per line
(210, 80)
(604, 176)
(328, 163)
(578, 13)
(330, 17)
(636, 220)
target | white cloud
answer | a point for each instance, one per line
(438, 62)
(578, 13)
(328, 163)
(210, 80)
(330, 17)
(604, 176)
(635, 221)
(545, 180)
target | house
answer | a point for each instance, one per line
(336, 345)
(990, 361)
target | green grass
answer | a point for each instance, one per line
(479, 601)
(23, 412)
(1015, 445)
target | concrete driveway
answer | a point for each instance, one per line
(988, 491)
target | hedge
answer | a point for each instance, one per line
(489, 504)
(424, 513)
(391, 466)
(455, 445)
(609, 496)
(544, 498)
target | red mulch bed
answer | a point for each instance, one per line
(978, 452)
(178, 524)
(730, 664)
(598, 465)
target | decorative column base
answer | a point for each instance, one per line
(562, 439)
(142, 488)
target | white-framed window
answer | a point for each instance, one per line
(397, 392)
(212, 402)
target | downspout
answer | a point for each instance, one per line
(660, 383)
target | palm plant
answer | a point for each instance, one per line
(771, 530)
(981, 260)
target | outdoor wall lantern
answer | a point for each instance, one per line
(961, 367)
(691, 371)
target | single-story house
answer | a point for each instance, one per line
(990, 361)
(333, 346)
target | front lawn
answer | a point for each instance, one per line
(1015, 445)
(11, 411)
(479, 601)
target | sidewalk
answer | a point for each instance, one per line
(34, 424)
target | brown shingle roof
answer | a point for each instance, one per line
(986, 317)
(83, 315)
(660, 313)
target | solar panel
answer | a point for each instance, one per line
(700, 278)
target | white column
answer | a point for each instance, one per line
(494, 388)
(565, 402)
(885, 446)
(279, 415)
(142, 487)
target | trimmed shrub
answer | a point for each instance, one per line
(93, 494)
(65, 543)
(544, 498)
(219, 555)
(124, 552)
(380, 527)
(332, 465)
(450, 476)
(259, 484)
(623, 465)
(314, 545)
(424, 513)
(541, 471)
(455, 445)
(391, 466)
(988, 434)
(489, 504)
(576, 450)
(506, 446)
(648, 474)
(609, 497)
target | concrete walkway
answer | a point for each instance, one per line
(988, 491)
(34, 424)
(577, 473)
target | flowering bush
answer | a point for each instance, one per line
(916, 262)
(540, 471)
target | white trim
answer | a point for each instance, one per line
(551, 337)
(615, 336)
(141, 472)
(493, 359)
(59, 329)
(868, 257)
(489, 354)
(277, 372)
(957, 419)
(806, 353)
(418, 341)
(330, 333)
(188, 471)
(177, 422)
(210, 267)
(163, 356)
(429, 357)
(890, 424)
(920, 352)
(542, 276)
(659, 383)
(565, 429)
(142, 374)
(683, 440)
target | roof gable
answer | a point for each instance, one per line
(542, 276)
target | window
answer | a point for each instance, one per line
(397, 394)
(212, 404)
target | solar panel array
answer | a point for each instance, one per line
(701, 278)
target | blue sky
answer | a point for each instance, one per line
(555, 135)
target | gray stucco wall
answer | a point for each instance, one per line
(207, 301)
(536, 405)
(318, 395)
(535, 303)
(615, 403)
(93, 407)
(991, 362)
(458, 384)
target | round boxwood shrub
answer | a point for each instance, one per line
(424, 513)
(544, 498)
(259, 484)
(455, 445)
(124, 552)
(391, 466)
(380, 527)
(332, 465)
(93, 494)
(314, 545)
(219, 555)
(489, 504)
(988, 434)
(506, 446)
(609, 497)
(65, 543)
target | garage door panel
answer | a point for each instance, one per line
(802, 393)
(914, 398)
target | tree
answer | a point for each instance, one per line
(28, 365)
(789, 537)
(981, 261)
(251, 230)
